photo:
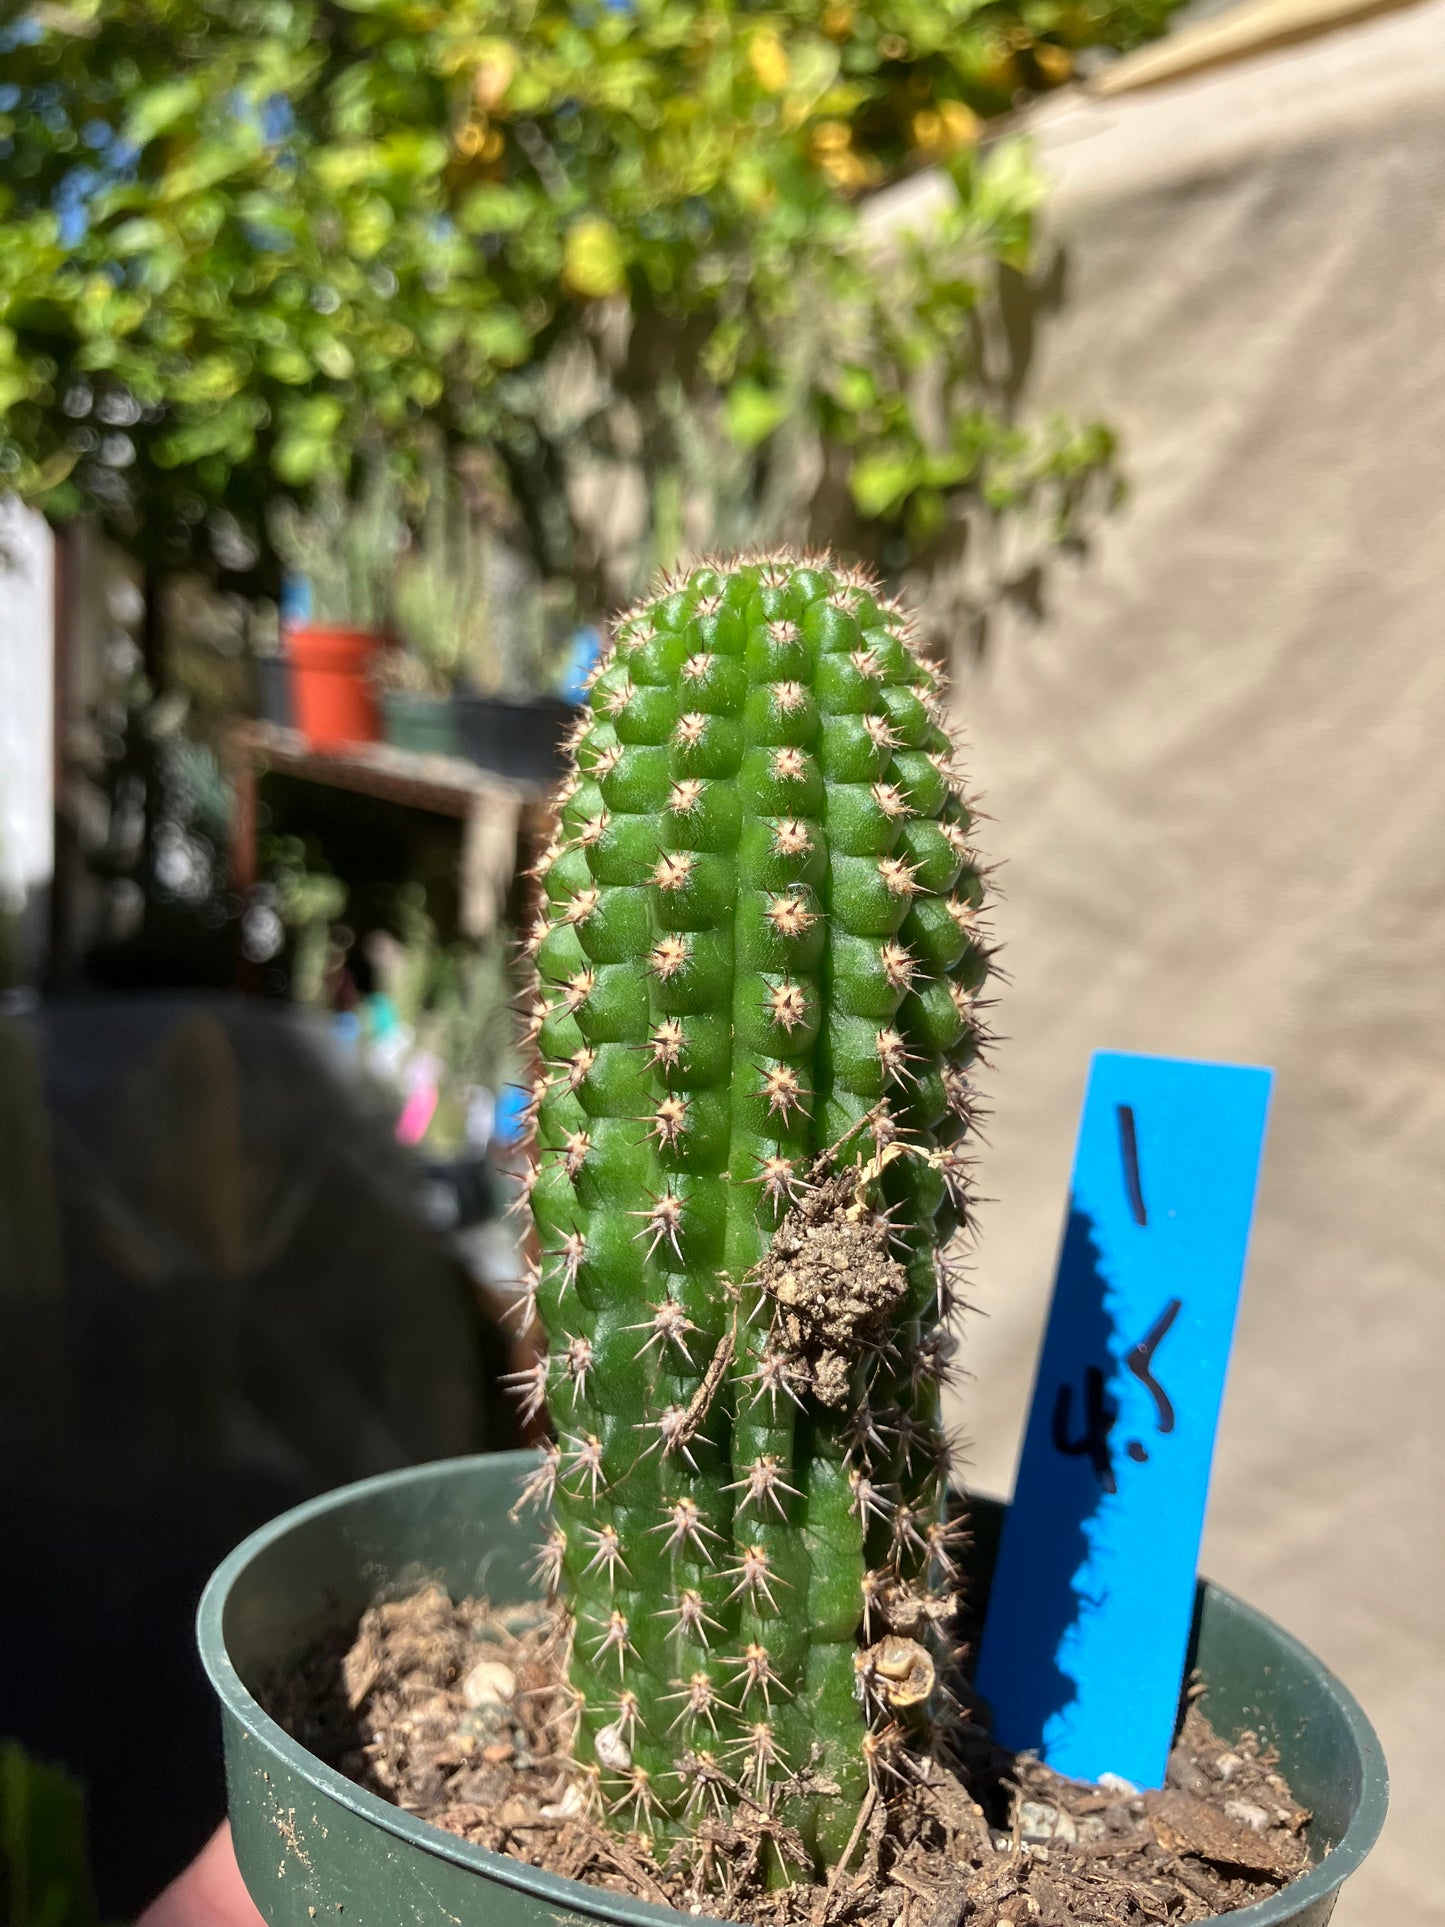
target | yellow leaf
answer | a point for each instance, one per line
(1054, 63)
(54, 469)
(592, 262)
(960, 123)
(769, 61)
(495, 71)
(945, 130)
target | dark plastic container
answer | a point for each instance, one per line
(458, 1192)
(519, 740)
(273, 691)
(426, 725)
(314, 1848)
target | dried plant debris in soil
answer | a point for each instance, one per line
(460, 1714)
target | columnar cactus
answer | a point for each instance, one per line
(757, 966)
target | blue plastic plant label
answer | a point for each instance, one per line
(1088, 1623)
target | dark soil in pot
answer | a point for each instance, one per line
(458, 1713)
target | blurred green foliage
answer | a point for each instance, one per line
(346, 549)
(240, 238)
(456, 1002)
(44, 1860)
(309, 900)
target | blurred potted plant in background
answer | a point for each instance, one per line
(342, 555)
(274, 702)
(439, 606)
(438, 1029)
(481, 643)
(508, 717)
(295, 915)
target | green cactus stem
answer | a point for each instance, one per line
(758, 962)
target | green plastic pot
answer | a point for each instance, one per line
(424, 724)
(314, 1848)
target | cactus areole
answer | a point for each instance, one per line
(758, 958)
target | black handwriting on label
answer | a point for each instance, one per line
(1100, 1412)
(1141, 1359)
(1129, 1156)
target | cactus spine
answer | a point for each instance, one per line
(757, 965)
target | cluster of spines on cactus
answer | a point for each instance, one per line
(758, 958)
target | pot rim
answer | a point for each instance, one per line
(1320, 1880)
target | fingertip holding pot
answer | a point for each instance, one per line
(314, 1847)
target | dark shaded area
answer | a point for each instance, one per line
(1043, 1595)
(217, 1298)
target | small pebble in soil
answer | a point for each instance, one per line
(1247, 1814)
(490, 1683)
(1116, 1783)
(1040, 1823)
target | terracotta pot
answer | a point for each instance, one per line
(331, 683)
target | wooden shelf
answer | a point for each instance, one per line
(501, 819)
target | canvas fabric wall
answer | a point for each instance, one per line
(1216, 765)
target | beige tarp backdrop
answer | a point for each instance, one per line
(1217, 769)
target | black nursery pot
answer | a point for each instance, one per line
(315, 1848)
(273, 691)
(519, 740)
(459, 1192)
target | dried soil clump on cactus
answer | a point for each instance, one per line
(832, 1276)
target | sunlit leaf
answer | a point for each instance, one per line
(753, 412)
(160, 108)
(880, 483)
(592, 261)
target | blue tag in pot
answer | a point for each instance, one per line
(1088, 1623)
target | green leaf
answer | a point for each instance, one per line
(161, 108)
(856, 388)
(214, 378)
(44, 1860)
(501, 335)
(304, 448)
(495, 210)
(287, 363)
(137, 236)
(879, 484)
(334, 358)
(340, 167)
(753, 412)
